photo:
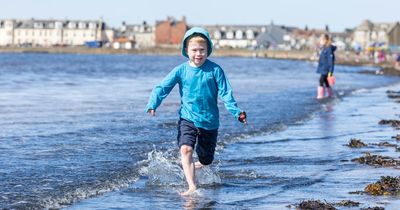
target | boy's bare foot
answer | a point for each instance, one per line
(189, 191)
(198, 165)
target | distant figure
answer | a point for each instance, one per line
(200, 82)
(376, 56)
(381, 56)
(358, 50)
(325, 66)
(397, 64)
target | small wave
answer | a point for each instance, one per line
(83, 192)
(360, 91)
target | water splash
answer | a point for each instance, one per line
(164, 169)
(208, 175)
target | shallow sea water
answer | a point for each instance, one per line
(74, 134)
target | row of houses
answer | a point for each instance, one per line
(368, 34)
(53, 32)
(169, 32)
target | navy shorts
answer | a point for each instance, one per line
(189, 134)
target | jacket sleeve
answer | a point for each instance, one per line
(161, 91)
(225, 92)
(331, 58)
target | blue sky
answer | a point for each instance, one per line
(338, 14)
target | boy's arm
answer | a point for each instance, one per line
(161, 91)
(226, 94)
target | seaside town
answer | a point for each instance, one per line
(373, 40)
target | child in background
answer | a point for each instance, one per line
(325, 66)
(397, 63)
(200, 82)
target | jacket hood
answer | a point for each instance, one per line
(197, 30)
(333, 47)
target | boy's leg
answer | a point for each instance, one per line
(198, 165)
(187, 135)
(188, 167)
(205, 149)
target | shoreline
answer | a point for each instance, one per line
(342, 58)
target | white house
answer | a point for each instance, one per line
(234, 36)
(52, 32)
(368, 33)
(143, 35)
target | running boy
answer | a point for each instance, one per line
(200, 82)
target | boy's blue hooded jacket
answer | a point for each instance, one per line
(326, 63)
(199, 88)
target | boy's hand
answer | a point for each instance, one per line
(151, 112)
(243, 117)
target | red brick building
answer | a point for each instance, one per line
(170, 31)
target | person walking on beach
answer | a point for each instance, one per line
(200, 82)
(325, 66)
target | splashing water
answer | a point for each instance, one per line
(163, 169)
(208, 175)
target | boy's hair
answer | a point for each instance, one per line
(196, 37)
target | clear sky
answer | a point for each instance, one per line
(338, 14)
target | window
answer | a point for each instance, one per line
(72, 25)
(92, 25)
(58, 25)
(82, 25)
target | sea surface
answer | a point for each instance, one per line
(74, 134)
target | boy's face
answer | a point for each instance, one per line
(197, 52)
